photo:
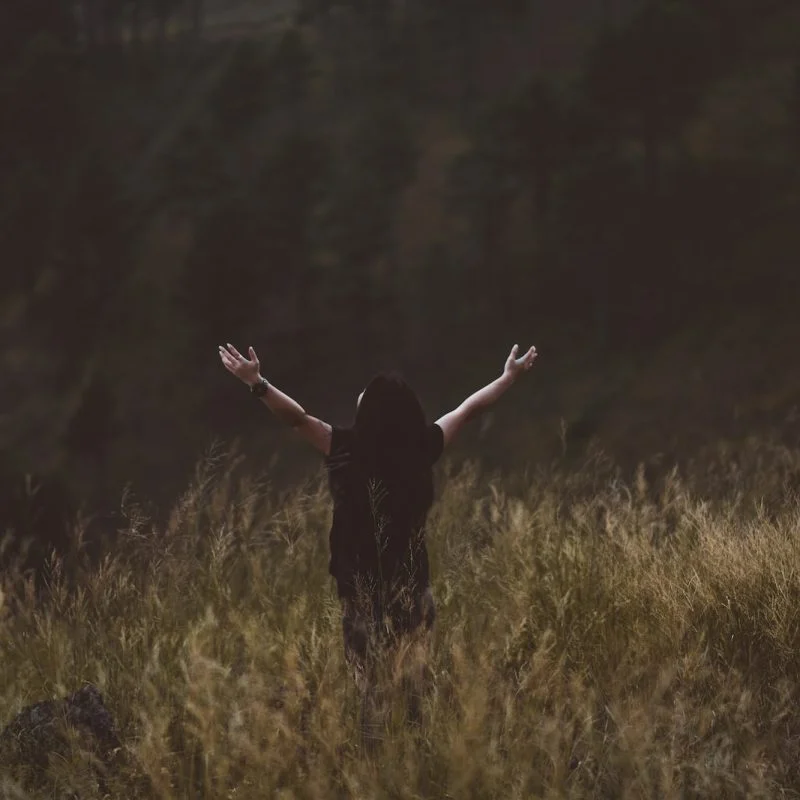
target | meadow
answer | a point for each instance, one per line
(598, 635)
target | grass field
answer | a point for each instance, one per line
(594, 638)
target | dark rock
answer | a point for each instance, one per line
(41, 730)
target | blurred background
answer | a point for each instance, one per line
(412, 184)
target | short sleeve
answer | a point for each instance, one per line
(435, 442)
(341, 446)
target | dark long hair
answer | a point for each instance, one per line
(392, 451)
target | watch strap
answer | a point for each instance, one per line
(259, 389)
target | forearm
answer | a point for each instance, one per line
(284, 407)
(486, 397)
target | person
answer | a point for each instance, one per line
(380, 475)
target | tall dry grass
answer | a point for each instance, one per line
(595, 637)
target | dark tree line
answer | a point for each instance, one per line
(256, 187)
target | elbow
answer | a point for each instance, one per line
(296, 421)
(292, 418)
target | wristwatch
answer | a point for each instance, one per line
(259, 388)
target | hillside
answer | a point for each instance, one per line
(269, 191)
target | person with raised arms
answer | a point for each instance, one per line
(381, 480)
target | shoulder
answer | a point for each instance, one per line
(342, 442)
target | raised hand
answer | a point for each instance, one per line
(514, 366)
(245, 370)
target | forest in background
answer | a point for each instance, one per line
(349, 186)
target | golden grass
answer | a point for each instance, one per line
(594, 638)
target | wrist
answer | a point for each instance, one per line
(251, 382)
(260, 388)
(507, 378)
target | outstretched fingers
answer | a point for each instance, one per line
(235, 352)
(526, 360)
(227, 359)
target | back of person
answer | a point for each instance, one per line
(377, 539)
(381, 481)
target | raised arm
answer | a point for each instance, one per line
(452, 422)
(313, 430)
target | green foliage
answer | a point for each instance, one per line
(374, 162)
(243, 94)
(229, 258)
(259, 240)
(352, 177)
(292, 66)
(40, 93)
(288, 190)
(22, 22)
(647, 79)
(651, 73)
(795, 109)
(520, 144)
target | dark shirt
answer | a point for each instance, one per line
(358, 551)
